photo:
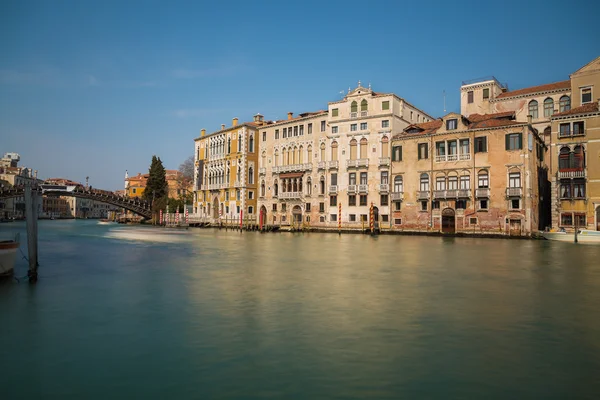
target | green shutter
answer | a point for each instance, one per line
(507, 142)
(484, 144)
(418, 152)
(426, 152)
(400, 153)
(520, 141)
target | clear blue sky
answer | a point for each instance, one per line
(92, 88)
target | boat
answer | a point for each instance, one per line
(105, 222)
(582, 236)
(8, 253)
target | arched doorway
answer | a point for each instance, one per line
(263, 216)
(297, 214)
(215, 208)
(448, 221)
(375, 218)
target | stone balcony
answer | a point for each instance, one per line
(290, 195)
(384, 161)
(571, 173)
(351, 188)
(397, 196)
(292, 168)
(423, 195)
(363, 188)
(514, 192)
(384, 187)
(262, 171)
(333, 164)
(321, 165)
(482, 192)
(333, 188)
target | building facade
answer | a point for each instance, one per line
(226, 171)
(459, 175)
(177, 185)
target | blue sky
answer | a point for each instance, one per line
(92, 88)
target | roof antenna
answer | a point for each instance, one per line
(444, 101)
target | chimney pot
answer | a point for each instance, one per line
(222, 126)
(203, 132)
(234, 122)
(290, 115)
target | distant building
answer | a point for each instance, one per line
(11, 174)
(178, 186)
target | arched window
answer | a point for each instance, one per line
(322, 151)
(564, 158)
(548, 107)
(262, 189)
(354, 107)
(264, 159)
(363, 105)
(228, 145)
(322, 184)
(564, 103)
(334, 151)
(363, 148)
(250, 175)
(309, 186)
(275, 188)
(578, 157)
(385, 147)
(284, 156)
(483, 180)
(398, 185)
(547, 131)
(228, 175)
(276, 158)
(353, 144)
(301, 155)
(533, 109)
(294, 152)
(424, 183)
(309, 153)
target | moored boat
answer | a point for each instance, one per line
(8, 253)
(582, 236)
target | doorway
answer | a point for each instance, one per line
(215, 208)
(515, 227)
(297, 215)
(448, 221)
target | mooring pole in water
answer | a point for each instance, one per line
(32, 233)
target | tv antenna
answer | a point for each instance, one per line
(444, 94)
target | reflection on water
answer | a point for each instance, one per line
(145, 312)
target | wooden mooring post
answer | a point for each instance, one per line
(31, 219)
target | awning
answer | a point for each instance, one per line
(292, 175)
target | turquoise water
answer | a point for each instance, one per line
(124, 312)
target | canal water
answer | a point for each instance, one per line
(131, 312)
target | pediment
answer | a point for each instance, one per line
(593, 65)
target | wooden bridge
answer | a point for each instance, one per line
(135, 205)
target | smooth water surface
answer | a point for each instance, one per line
(131, 312)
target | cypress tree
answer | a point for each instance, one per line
(156, 186)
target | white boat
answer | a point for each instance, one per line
(8, 253)
(105, 222)
(583, 236)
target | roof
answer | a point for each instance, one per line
(586, 108)
(536, 89)
(493, 123)
(483, 117)
(427, 127)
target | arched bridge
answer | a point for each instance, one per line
(135, 205)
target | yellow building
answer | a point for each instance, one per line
(226, 171)
(575, 162)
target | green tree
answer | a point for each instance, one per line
(156, 186)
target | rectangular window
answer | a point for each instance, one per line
(276, 133)
(397, 205)
(481, 144)
(566, 219)
(385, 123)
(397, 221)
(333, 179)
(486, 93)
(385, 218)
(580, 220)
(452, 182)
(250, 210)
(237, 194)
(411, 115)
(237, 209)
(363, 199)
(435, 205)
(384, 178)
(473, 221)
(424, 205)
(514, 141)
(334, 129)
(482, 180)
(352, 200)
(461, 204)
(307, 207)
(333, 217)
(384, 199)
(465, 182)
(363, 126)
(483, 204)
(578, 128)
(353, 127)
(274, 206)
(586, 95)
(363, 178)
(423, 151)
(451, 124)
(264, 136)
(515, 204)
(363, 217)
(424, 183)
(332, 201)
(470, 96)
(440, 149)
(301, 133)
(334, 112)
(397, 153)
(452, 148)
(284, 133)
(440, 183)
(564, 130)
(352, 178)
(309, 129)
(385, 105)
(464, 146)
(321, 207)
(579, 188)
(352, 217)
(295, 131)
(514, 180)
(323, 124)
(283, 207)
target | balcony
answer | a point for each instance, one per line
(463, 193)
(290, 195)
(333, 164)
(237, 184)
(364, 113)
(351, 188)
(351, 163)
(204, 187)
(397, 196)
(384, 161)
(363, 162)
(571, 173)
(439, 194)
(465, 157)
(353, 115)
(321, 165)
(262, 171)
(422, 195)
(333, 188)
(363, 188)
(440, 158)
(384, 187)
(452, 157)
(482, 192)
(514, 192)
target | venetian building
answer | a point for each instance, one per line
(226, 163)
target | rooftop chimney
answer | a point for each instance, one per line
(258, 118)
(222, 126)
(203, 132)
(290, 115)
(234, 122)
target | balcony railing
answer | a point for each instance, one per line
(514, 192)
(333, 188)
(351, 188)
(396, 196)
(451, 194)
(237, 184)
(333, 164)
(384, 187)
(363, 162)
(290, 195)
(204, 187)
(262, 171)
(292, 168)
(353, 115)
(363, 188)
(482, 192)
(351, 163)
(565, 174)
(439, 194)
(321, 165)
(462, 193)
(384, 161)
(364, 113)
(465, 157)
(452, 157)
(423, 195)
(440, 158)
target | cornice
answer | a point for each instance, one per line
(534, 94)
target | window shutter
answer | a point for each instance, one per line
(520, 141)
(507, 142)
(484, 144)
(418, 152)
(400, 153)
(426, 151)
